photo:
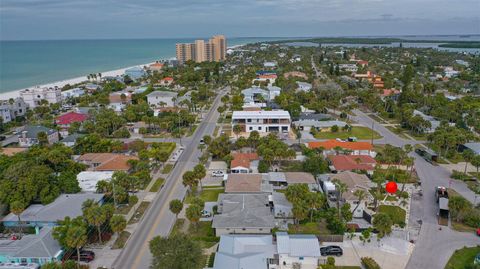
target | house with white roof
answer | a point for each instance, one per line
(162, 98)
(87, 180)
(262, 252)
(34, 96)
(304, 86)
(73, 93)
(256, 96)
(275, 121)
(298, 251)
(244, 251)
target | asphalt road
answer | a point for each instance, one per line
(433, 247)
(158, 220)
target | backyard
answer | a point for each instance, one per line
(202, 232)
(359, 132)
(317, 228)
(462, 258)
(396, 213)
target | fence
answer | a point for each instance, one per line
(330, 238)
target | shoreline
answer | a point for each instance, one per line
(61, 83)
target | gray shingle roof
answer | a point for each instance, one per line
(33, 130)
(244, 251)
(298, 245)
(475, 147)
(71, 138)
(243, 211)
(65, 205)
(42, 245)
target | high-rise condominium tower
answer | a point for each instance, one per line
(201, 51)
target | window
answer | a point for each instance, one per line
(243, 229)
(34, 260)
(300, 258)
(249, 120)
(250, 128)
(259, 128)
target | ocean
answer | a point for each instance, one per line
(27, 63)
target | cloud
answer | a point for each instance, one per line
(25, 19)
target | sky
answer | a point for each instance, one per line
(93, 19)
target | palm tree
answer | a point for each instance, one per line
(76, 238)
(17, 207)
(341, 189)
(383, 224)
(176, 207)
(360, 194)
(237, 129)
(118, 223)
(314, 201)
(468, 155)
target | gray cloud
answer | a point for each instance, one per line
(47, 19)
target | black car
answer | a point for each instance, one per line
(85, 256)
(331, 251)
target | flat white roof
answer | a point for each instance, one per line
(88, 180)
(261, 114)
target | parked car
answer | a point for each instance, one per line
(202, 142)
(206, 214)
(217, 173)
(85, 256)
(331, 251)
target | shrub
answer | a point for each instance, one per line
(263, 167)
(460, 176)
(211, 260)
(132, 199)
(334, 129)
(370, 263)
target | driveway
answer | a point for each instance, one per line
(389, 252)
(433, 247)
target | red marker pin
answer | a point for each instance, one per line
(391, 187)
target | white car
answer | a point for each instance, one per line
(217, 173)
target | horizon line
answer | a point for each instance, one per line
(237, 37)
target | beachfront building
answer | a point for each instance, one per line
(135, 73)
(274, 121)
(214, 50)
(29, 136)
(73, 93)
(35, 96)
(11, 109)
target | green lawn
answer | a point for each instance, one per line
(157, 185)
(207, 195)
(317, 228)
(121, 240)
(348, 267)
(202, 232)
(167, 168)
(357, 131)
(461, 258)
(396, 213)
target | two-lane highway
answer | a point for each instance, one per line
(158, 220)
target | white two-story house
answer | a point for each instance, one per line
(275, 121)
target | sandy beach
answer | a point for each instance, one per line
(61, 83)
(112, 73)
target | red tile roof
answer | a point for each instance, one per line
(243, 159)
(352, 162)
(330, 144)
(107, 161)
(71, 117)
(168, 79)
